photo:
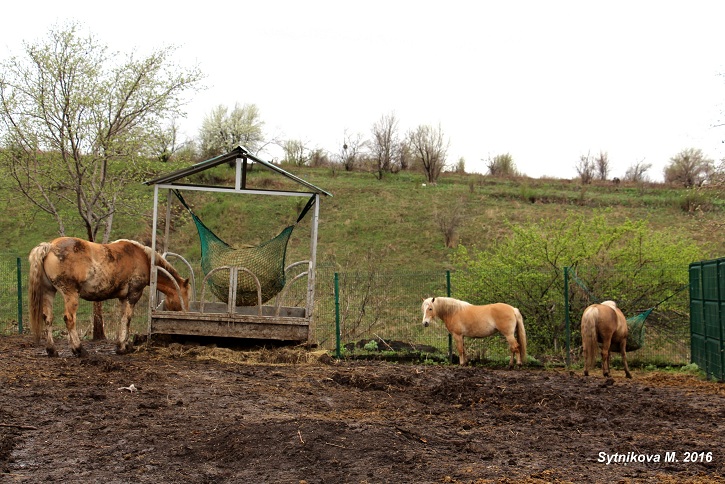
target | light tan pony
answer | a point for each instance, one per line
(604, 323)
(95, 272)
(463, 319)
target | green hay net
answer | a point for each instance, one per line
(266, 261)
(635, 339)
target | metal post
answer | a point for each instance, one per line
(450, 336)
(312, 270)
(566, 316)
(337, 316)
(721, 319)
(20, 297)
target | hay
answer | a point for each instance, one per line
(283, 356)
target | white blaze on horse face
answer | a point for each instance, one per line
(428, 313)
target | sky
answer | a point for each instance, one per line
(544, 81)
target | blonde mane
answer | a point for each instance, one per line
(445, 306)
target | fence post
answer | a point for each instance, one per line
(337, 316)
(20, 297)
(450, 337)
(566, 316)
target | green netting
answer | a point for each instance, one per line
(266, 261)
(635, 338)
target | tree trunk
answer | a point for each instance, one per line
(98, 332)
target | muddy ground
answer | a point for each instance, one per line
(284, 415)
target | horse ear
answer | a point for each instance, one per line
(433, 300)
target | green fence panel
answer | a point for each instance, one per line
(707, 316)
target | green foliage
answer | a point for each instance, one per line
(502, 166)
(371, 345)
(221, 130)
(626, 262)
(76, 122)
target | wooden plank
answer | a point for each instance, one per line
(217, 308)
(230, 329)
(227, 318)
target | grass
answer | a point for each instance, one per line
(386, 226)
(392, 220)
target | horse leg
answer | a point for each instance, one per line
(515, 350)
(605, 356)
(624, 359)
(71, 308)
(461, 349)
(48, 297)
(122, 346)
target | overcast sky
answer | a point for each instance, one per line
(546, 81)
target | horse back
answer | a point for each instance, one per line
(609, 321)
(481, 321)
(97, 271)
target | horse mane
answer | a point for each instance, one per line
(448, 305)
(611, 304)
(160, 261)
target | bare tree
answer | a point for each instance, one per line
(585, 169)
(638, 172)
(602, 165)
(351, 149)
(449, 219)
(295, 152)
(405, 155)
(319, 157)
(384, 144)
(690, 167)
(430, 149)
(76, 121)
(164, 143)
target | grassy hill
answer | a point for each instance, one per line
(394, 223)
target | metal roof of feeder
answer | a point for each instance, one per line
(238, 153)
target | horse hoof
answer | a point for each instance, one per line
(124, 350)
(52, 352)
(629, 375)
(80, 352)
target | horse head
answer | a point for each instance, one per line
(173, 302)
(429, 312)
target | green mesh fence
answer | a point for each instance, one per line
(384, 307)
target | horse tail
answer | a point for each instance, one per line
(521, 335)
(36, 287)
(590, 345)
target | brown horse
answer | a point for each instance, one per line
(604, 323)
(465, 319)
(95, 272)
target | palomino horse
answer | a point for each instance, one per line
(465, 319)
(604, 323)
(95, 272)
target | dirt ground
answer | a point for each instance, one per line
(198, 415)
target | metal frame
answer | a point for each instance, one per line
(227, 320)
